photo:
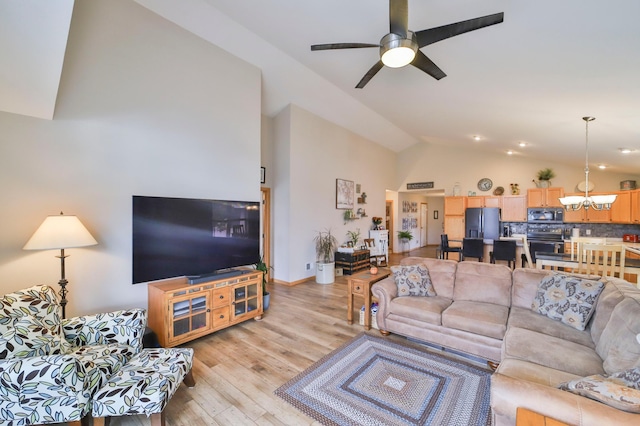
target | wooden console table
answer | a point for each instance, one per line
(360, 285)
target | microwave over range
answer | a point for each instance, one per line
(545, 215)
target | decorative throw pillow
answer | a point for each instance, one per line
(567, 298)
(413, 280)
(28, 336)
(620, 390)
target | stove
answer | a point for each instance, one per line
(552, 235)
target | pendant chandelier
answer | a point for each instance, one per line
(596, 202)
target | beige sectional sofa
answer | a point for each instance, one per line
(485, 310)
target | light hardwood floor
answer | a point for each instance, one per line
(237, 369)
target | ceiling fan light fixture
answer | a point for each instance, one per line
(397, 51)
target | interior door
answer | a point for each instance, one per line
(424, 225)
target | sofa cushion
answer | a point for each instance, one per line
(612, 294)
(550, 351)
(525, 285)
(481, 318)
(413, 280)
(526, 318)
(620, 390)
(442, 273)
(534, 373)
(27, 337)
(100, 362)
(483, 282)
(618, 344)
(567, 298)
(425, 309)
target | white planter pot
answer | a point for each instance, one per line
(325, 273)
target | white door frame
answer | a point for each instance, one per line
(424, 224)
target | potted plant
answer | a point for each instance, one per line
(260, 265)
(405, 237)
(326, 246)
(354, 237)
(544, 178)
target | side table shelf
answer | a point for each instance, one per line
(180, 312)
(353, 262)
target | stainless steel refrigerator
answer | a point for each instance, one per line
(482, 223)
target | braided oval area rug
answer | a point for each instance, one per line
(374, 381)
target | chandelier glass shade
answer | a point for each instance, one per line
(596, 202)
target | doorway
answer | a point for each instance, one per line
(424, 223)
(265, 224)
(388, 223)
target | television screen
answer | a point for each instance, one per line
(173, 237)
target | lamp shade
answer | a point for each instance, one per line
(60, 232)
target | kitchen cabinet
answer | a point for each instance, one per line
(514, 208)
(587, 215)
(544, 197)
(621, 208)
(484, 201)
(455, 206)
(635, 206)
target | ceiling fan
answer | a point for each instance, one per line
(401, 47)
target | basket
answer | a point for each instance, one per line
(627, 185)
(374, 311)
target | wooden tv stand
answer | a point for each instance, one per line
(180, 312)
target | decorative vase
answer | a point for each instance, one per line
(373, 270)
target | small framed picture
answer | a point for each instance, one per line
(263, 173)
(435, 214)
(345, 192)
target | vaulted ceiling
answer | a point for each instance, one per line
(528, 80)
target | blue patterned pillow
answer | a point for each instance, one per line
(413, 280)
(567, 298)
(620, 390)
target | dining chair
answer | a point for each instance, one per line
(605, 260)
(540, 247)
(445, 248)
(473, 247)
(504, 250)
(577, 243)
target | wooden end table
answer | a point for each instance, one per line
(526, 417)
(360, 285)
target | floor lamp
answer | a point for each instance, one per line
(60, 232)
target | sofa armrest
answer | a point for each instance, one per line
(42, 389)
(385, 291)
(123, 327)
(507, 394)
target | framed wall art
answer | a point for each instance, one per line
(345, 191)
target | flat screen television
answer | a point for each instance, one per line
(173, 237)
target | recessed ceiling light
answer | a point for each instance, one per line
(625, 150)
(522, 144)
(509, 152)
(476, 138)
(602, 166)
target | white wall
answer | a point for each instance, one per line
(446, 166)
(144, 108)
(312, 153)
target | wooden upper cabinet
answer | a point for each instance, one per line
(514, 208)
(484, 201)
(544, 197)
(455, 206)
(621, 208)
(635, 206)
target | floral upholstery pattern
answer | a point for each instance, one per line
(413, 280)
(41, 389)
(145, 385)
(620, 390)
(49, 367)
(30, 324)
(569, 299)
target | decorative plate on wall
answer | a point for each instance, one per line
(498, 191)
(485, 184)
(583, 185)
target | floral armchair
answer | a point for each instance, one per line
(50, 368)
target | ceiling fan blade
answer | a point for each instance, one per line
(342, 46)
(425, 64)
(399, 17)
(369, 75)
(432, 35)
